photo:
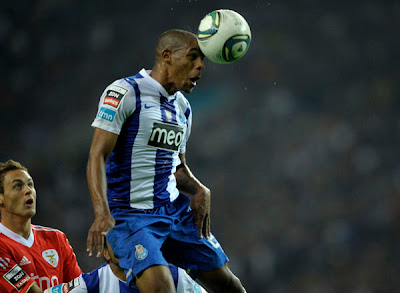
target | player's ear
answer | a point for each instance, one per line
(106, 254)
(1, 199)
(166, 56)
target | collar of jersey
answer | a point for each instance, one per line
(158, 87)
(18, 238)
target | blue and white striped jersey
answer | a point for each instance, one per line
(103, 280)
(153, 128)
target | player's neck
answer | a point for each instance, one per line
(18, 225)
(118, 271)
(161, 76)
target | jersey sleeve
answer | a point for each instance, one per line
(116, 104)
(13, 279)
(76, 285)
(71, 269)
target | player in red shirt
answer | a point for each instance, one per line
(32, 258)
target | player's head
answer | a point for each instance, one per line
(17, 191)
(113, 261)
(179, 60)
(109, 254)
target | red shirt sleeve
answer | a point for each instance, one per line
(12, 277)
(71, 269)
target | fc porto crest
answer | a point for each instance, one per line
(51, 256)
(141, 252)
(168, 115)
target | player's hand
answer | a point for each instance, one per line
(100, 227)
(200, 205)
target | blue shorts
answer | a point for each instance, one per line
(142, 238)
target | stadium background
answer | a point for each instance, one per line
(298, 141)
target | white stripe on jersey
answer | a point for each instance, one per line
(42, 228)
(4, 262)
(108, 282)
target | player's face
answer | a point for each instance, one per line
(186, 66)
(109, 254)
(19, 197)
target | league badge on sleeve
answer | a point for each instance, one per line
(64, 287)
(16, 277)
(106, 114)
(114, 95)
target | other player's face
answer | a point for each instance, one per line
(19, 197)
(109, 253)
(186, 66)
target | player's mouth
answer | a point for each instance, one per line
(29, 202)
(194, 80)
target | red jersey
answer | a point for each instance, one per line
(46, 258)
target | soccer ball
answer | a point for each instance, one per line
(224, 36)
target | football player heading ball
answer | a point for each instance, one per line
(147, 202)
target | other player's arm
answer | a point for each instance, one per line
(200, 195)
(102, 145)
(35, 289)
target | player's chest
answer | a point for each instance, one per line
(162, 125)
(37, 259)
(161, 110)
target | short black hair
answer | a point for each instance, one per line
(10, 165)
(173, 39)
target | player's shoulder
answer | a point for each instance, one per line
(120, 87)
(129, 82)
(5, 242)
(92, 278)
(43, 231)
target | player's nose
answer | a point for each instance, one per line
(28, 189)
(200, 65)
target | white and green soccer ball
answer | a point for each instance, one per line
(224, 36)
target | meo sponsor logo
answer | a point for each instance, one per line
(166, 136)
(106, 114)
(16, 277)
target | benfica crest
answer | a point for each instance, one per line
(51, 256)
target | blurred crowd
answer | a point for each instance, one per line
(298, 141)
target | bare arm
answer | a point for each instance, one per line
(102, 145)
(200, 195)
(35, 289)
